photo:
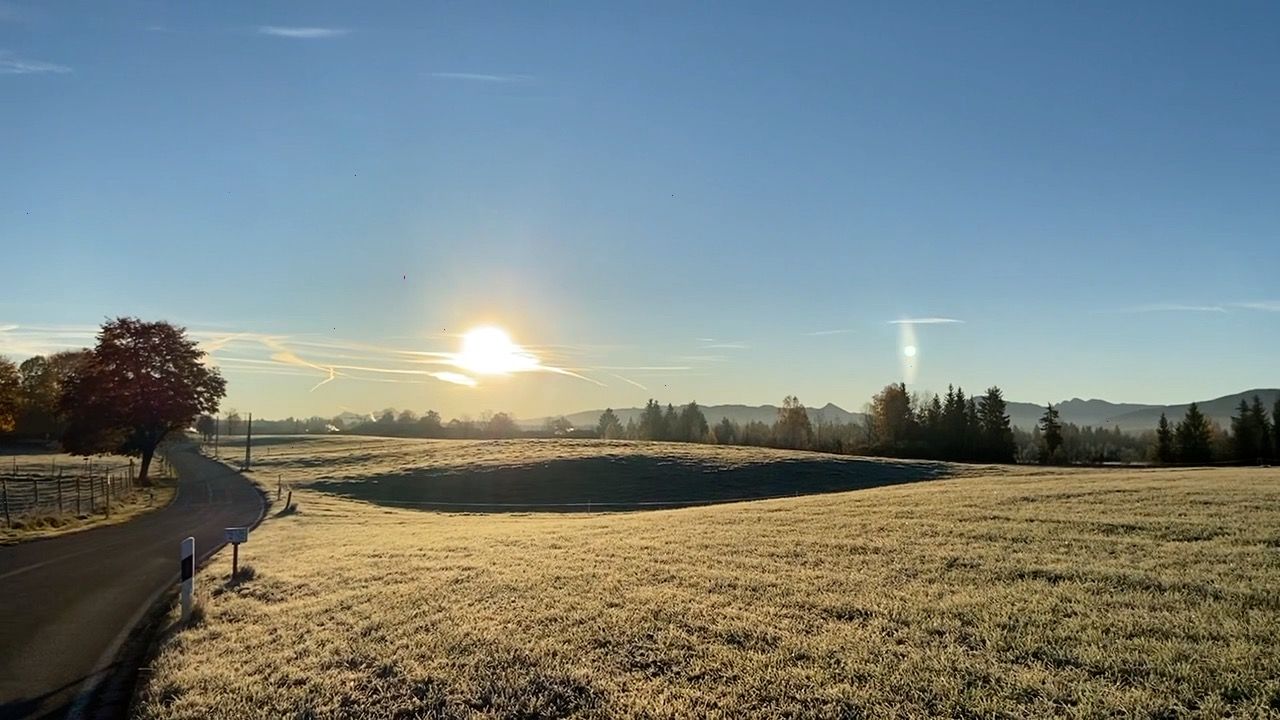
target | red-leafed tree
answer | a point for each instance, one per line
(141, 382)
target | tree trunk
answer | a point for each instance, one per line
(143, 480)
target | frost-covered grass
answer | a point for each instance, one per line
(502, 475)
(994, 594)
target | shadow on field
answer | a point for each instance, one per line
(635, 482)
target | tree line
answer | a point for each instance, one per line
(140, 383)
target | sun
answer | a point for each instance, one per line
(490, 351)
(909, 351)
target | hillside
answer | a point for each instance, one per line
(1220, 409)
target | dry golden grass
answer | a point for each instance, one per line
(1066, 593)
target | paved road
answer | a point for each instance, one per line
(67, 603)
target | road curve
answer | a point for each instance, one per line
(67, 603)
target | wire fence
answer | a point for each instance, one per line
(35, 489)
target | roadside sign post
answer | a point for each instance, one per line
(235, 536)
(188, 575)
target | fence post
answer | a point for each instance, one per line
(58, 479)
(93, 500)
(106, 491)
(77, 496)
(35, 494)
(7, 521)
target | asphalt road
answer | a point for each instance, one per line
(68, 603)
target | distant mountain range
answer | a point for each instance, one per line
(741, 414)
(1129, 417)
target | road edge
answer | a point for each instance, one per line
(113, 683)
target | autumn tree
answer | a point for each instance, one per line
(141, 382)
(9, 395)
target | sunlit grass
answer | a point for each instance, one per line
(1147, 593)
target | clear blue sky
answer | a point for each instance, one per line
(677, 195)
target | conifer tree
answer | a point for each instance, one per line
(1193, 437)
(997, 433)
(1050, 434)
(1164, 441)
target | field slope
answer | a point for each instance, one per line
(1054, 593)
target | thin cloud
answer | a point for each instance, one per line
(1175, 307)
(455, 378)
(925, 321)
(630, 382)
(820, 333)
(11, 64)
(1264, 305)
(302, 33)
(726, 346)
(482, 77)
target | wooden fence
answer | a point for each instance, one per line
(75, 490)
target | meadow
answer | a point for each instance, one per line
(970, 592)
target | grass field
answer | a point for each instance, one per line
(992, 593)
(563, 475)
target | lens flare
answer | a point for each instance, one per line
(909, 351)
(490, 351)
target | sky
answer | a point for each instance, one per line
(720, 202)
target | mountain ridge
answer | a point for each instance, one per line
(1129, 417)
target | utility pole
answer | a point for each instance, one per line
(248, 442)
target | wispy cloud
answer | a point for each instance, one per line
(819, 333)
(925, 321)
(1263, 305)
(11, 64)
(736, 345)
(482, 77)
(327, 360)
(629, 381)
(1174, 307)
(303, 33)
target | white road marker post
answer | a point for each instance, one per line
(235, 536)
(188, 576)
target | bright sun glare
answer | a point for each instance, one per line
(490, 351)
(909, 351)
